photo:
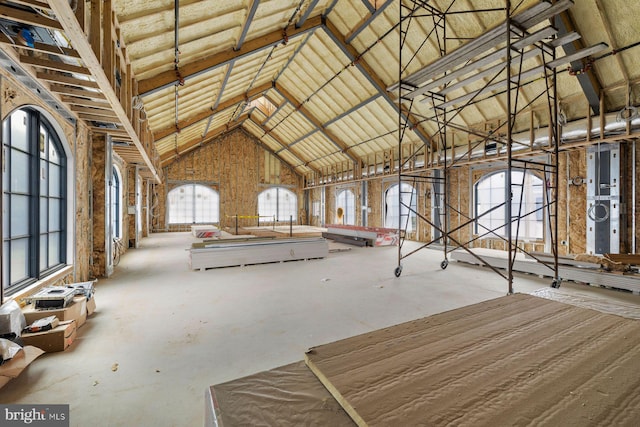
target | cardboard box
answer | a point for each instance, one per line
(72, 312)
(14, 367)
(91, 306)
(82, 300)
(57, 339)
(11, 319)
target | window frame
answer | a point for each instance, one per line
(411, 220)
(348, 206)
(116, 203)
(280, 215)
(194, 212)
(46, 186)
(534, 214)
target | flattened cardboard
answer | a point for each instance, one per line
(72, 312)
(14, 367)
(286, 396)
(91, 306)
(57, 339)
(82, 300)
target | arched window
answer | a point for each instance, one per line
(396, 215)
(345, 207)
(34, 211)
(491, 192)
(194, 204)
(116, 203)
(278, 203)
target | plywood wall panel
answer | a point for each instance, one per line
(577, 243)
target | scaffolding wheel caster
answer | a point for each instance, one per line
(444, 264)
(398, 271)
(555, 284)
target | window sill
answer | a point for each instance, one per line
(34, 287)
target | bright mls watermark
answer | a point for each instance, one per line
(34, 415)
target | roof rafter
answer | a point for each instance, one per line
(284, 146)
(367, 20)
(169, 78)
(588, 80)
(314, 120)
(30, 18)
(370, 74)
(75, 32)
(253, 6)
(307, 12)
(183, 124)
(184, 148)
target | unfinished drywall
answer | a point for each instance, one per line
(476, 365)
(234, 165)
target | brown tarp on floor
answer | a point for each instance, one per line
(515, 360)
(286, 396)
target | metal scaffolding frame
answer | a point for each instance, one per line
(511, 43)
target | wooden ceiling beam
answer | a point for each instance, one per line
(344, 148)
(29, 18)
(75, 32)
(98, 118)
(94, 111)
(68, 90)
(374, 79)
(41, 47)
(300, 157)
(170, 156)
(192, 69)
(183, 124)
(67, 80)
(33, 3)
(72, 100)
(588, 80)
(54, 65)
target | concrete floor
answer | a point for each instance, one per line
(163, 333)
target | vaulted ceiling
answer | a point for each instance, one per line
(315, 81)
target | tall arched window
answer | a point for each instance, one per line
(491, 193)
(34, 210)
(277, 203)
(396, 215)
(116, 203)
(193, 204)
(345, 207)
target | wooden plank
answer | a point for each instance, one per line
(65, 14)
(633, 259)
(295, 396)
(54, 65)
(31, 18)
(477, 366)
(33, 3)
(98, 118)
(94, 111)
(68, 80)
(72, 100)
(68, 90)
(41, 47)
